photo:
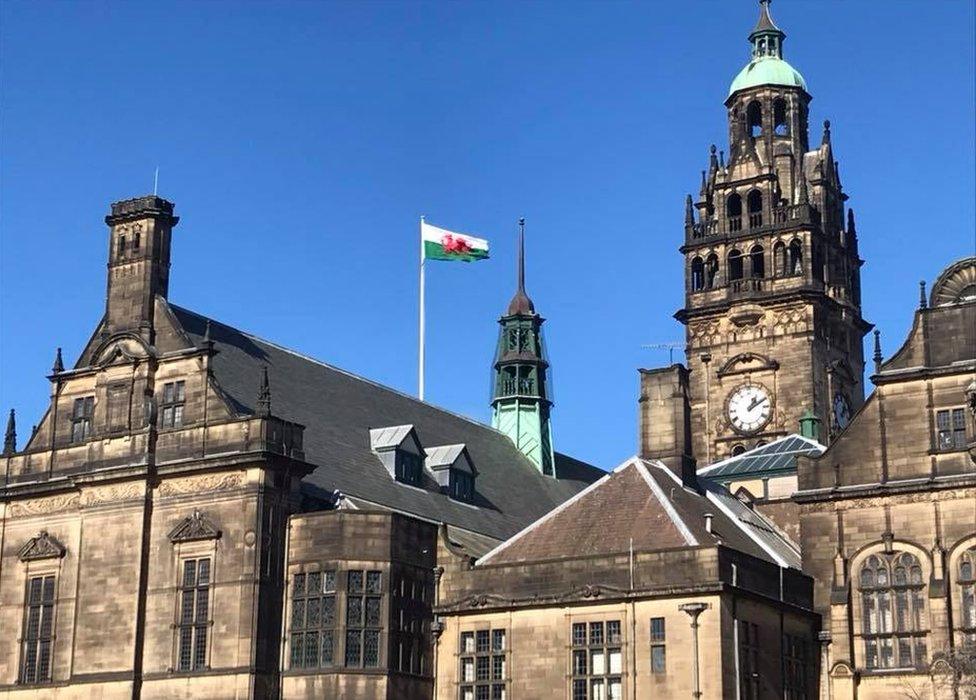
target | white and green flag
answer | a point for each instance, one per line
(441, 244)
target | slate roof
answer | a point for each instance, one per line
(774, 459)
(338, 409)
(643, 504)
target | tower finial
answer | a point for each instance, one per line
(766, 37)
(10, 436)
(851, 228)
(922, 301)
(689, 211)
(826, 133)
(521, 304)
(712, 160)
(521, 255)
(877, 351)
(58, 363)
(264, 394)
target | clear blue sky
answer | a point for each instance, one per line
(302, 141)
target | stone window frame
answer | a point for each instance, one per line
(954, 428)
(184, 551)
(964, 550)
(33, 569)
(410, 616)
(748, 641)
(82, 420)
(172, 408)
(658, 631)
(796, 666)
(597, 638)
(483, 645)
(363, 630)
(324, 592)
(892, 548)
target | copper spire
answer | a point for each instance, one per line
(520, 303)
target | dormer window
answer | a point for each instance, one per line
(452, 468)
(408, 467)
(400, 451)
(461, 487)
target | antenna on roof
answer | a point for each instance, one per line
(156, 181)
(670, 347)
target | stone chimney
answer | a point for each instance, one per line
(665, 420)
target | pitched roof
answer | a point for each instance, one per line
(773, 459)
(338, 410)
(642, 504)
(443, 456)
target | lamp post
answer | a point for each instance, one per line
(694, 610)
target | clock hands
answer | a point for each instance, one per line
(757, 401)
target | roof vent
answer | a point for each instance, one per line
(708, 522)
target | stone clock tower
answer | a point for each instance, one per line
(773, 303)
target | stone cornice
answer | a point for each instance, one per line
(908, 486)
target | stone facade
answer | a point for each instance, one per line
(164, 535)
(888, 512)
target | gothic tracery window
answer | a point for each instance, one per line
(795, 258)
(711, 271)
(697, 274)
(892, 591)
(966, 581)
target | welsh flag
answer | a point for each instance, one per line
(441, 244)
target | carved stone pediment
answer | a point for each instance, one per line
(747, 362)
(121, 349)
(194, 527)
(41, 547)
(747, 316)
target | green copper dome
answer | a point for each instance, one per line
(767, 70)
(767, 66)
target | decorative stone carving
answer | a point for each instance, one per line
(40, 506)
(112, 493)
(41, 547)
(194, 527)
(201, 483)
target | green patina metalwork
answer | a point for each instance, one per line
(520, 394)
(767, 66)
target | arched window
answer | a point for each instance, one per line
(120, 246)
(136, 241)
(779, 259)
(796, 258)
(754, 119)
(780, 126)
(755, 203)
(733, 209)
(757, 261)
(967, 590)
(735, 265)
(711, 271)
(893, 625)
(697, 274)
(738, 450)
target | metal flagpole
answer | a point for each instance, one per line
(420, 354)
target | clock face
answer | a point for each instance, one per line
(842, 411)
(749, 408)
